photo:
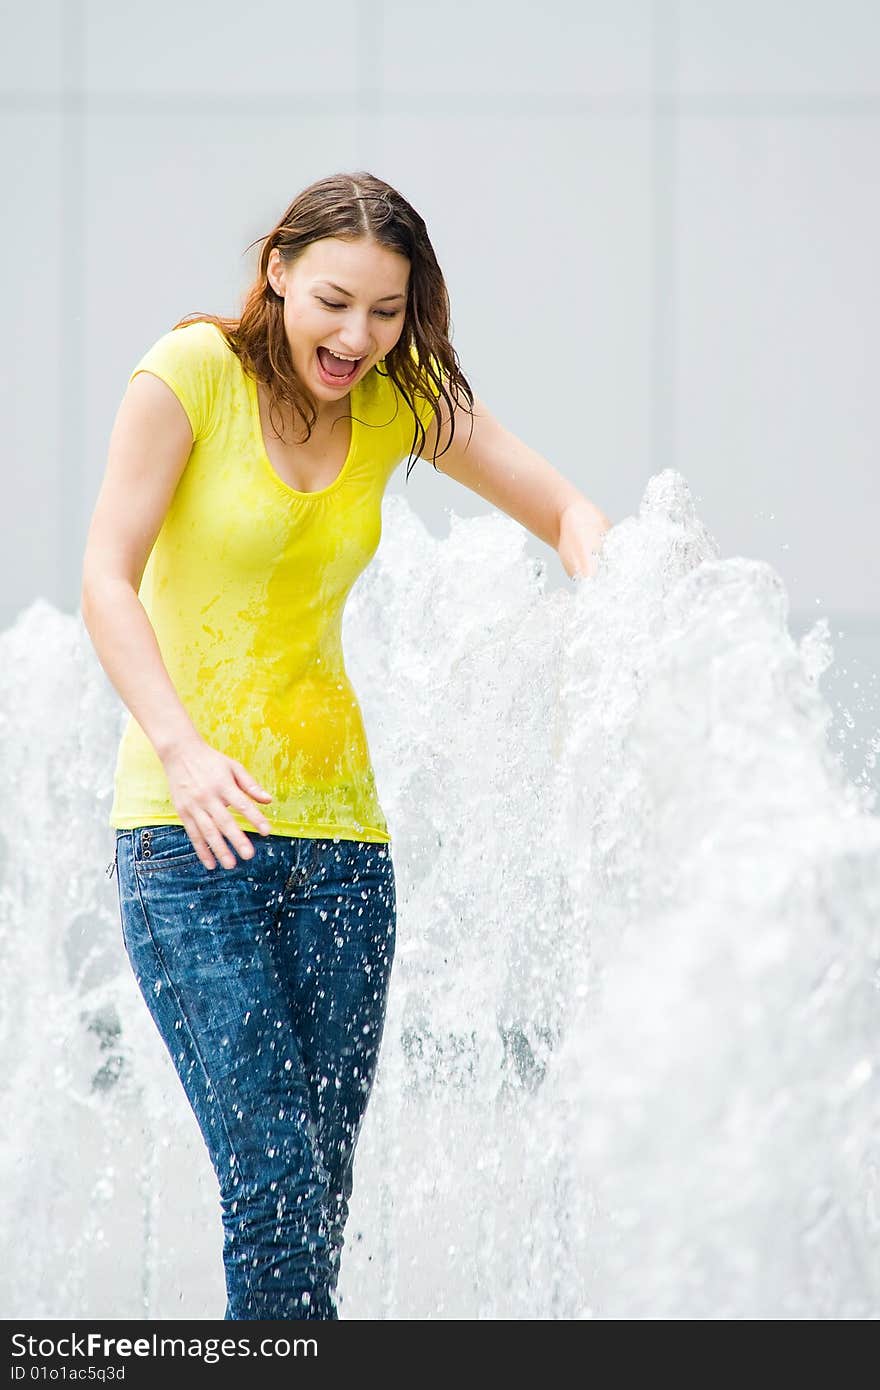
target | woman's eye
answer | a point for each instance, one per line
(383, 313)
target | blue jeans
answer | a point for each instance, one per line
(268, 983)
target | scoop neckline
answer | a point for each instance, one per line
(264, 454)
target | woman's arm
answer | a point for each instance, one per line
(150, 444)
(510, 475)
(582, 528)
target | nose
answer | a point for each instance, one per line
(353, 348)
(355, 344)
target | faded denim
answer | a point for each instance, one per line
(268, 985)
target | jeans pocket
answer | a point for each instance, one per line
(163, 847)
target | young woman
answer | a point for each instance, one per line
(241, 500)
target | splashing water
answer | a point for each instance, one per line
(630, 1066)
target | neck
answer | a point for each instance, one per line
(328, 413)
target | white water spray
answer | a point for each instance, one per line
(631, 1065)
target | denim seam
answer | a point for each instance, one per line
(185, 1016)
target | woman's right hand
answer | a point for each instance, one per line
(204, 783)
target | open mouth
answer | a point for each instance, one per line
(335, 371)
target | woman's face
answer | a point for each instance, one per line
(345, 296)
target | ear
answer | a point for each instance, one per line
(275, 271)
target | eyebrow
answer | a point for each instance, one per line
(350, 296)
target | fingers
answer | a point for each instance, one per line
(215, 827)
(222, 785)
(250, 784)
(226, 825)
(244, 803)
(199, 841)
(253, 813)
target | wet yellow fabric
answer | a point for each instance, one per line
(245, 589)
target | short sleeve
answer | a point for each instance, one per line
(191, 361)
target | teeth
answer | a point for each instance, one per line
(339, 357)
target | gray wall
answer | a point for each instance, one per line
(680, 199)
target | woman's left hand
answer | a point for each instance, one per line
(582, 528)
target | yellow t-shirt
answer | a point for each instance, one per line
(245, 588)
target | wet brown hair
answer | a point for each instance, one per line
(352, 206)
